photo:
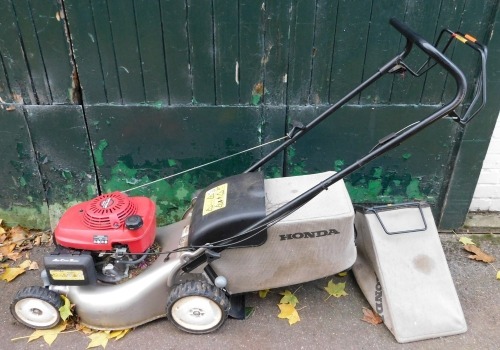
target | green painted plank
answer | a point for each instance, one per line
(251, 51)
(55, 50)
(421, 16)
(107, 53)
(128, 56)
(450, 14)
(13, 58)
(473, 22)
(326, 21)
(22, 199)
(175, 46)
(28, 32)
(276, 55)
(60, 141)
(201, 50)
(301, 52)
(273, 121)
(472, 150)
(86, 50)
(149, 31)
(226, 50)
(382, 45)
(170, 140)
(350, 42)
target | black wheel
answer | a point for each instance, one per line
(36, 307)
(197, 307)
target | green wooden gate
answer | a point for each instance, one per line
(100, 95)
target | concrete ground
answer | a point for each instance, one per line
(332, 324)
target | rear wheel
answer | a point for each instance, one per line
(197, 307)
(36, 307)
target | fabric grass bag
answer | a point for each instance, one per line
(402, 271)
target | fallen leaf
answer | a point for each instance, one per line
(11, 273)
(6, 249)
(65, 310)
(18, 235)
(289, 312)
(342, 274)
(479, 255)
(289, 298)
(498, 275)
(49, 335)
(371, 317)
(84, 329)
(14, 256)
(33, 266)
(263, 293)
(98, 339)
(466, 241)
(25, 264)
(336, 290)
(118, 334)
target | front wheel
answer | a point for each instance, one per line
(36, 307)
(197, 307)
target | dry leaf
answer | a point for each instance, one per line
(99, 339)
(7, 248)
(479, 254)
(11, 273)
(25, 264)
(288, 311)
(14, 256)
(33, 266)
(342, 274)
(18, 235)
(118, 334)
(49, 335)
(371, 317)
(498, 275)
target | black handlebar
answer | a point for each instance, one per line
(434, 53)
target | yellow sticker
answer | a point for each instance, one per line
(215, 199)
(67, 275)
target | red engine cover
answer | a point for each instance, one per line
(100, 223)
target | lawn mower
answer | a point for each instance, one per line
(241, 234)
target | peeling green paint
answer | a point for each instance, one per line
(338, 165)
(98, 152)
(295, 167)
(36, 216)
(406, 156)
(387, 187)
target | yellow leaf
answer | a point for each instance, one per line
(98, 339)
(288, 311)
(289, 298)
(25, 264)
(263, 293)
(11, 272)
(342, 274)
(498, 275)
(49, 335)
(33, 266)
(65, 310)
(336, 290)
(118, 334)
(466, 241)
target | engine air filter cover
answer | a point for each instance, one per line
(100, 223)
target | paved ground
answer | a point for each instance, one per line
(332, 324)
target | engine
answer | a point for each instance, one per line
(99, 240)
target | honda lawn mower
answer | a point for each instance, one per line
(243, 233)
